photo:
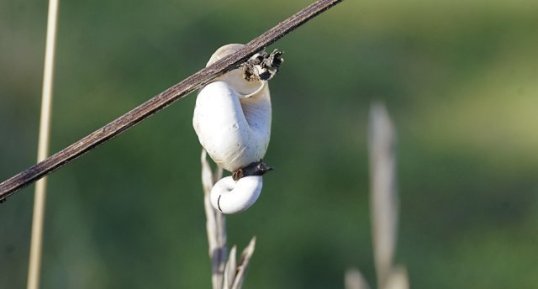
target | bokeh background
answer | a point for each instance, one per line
(460, 79)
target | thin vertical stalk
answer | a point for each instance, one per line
(216, 225)
(34, 267)
(383, 204)
(226, 272)
(384, 197)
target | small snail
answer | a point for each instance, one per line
(232, 119)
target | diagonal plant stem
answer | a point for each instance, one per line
(163, 99)
(36, 243)
(241, 269)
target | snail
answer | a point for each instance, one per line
(232, 119)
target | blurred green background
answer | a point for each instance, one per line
(460, 79)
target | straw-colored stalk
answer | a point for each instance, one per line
(383, 203)
(226, 272)
(34, 266)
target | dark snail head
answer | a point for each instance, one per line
(254, 169)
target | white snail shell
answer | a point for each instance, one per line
(229, 196)
(232, 119)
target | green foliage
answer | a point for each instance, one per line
(459, 78)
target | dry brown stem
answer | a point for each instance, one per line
(162, 100)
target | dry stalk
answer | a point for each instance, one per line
(355, 280)
(226, 273)
(383, 200)
(383, 203)
(38, 217)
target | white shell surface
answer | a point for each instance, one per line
(232, 118)
(229, 196)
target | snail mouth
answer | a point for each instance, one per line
(258, 168)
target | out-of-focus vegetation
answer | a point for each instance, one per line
(459, 77)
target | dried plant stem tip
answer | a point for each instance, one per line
(262, 66)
